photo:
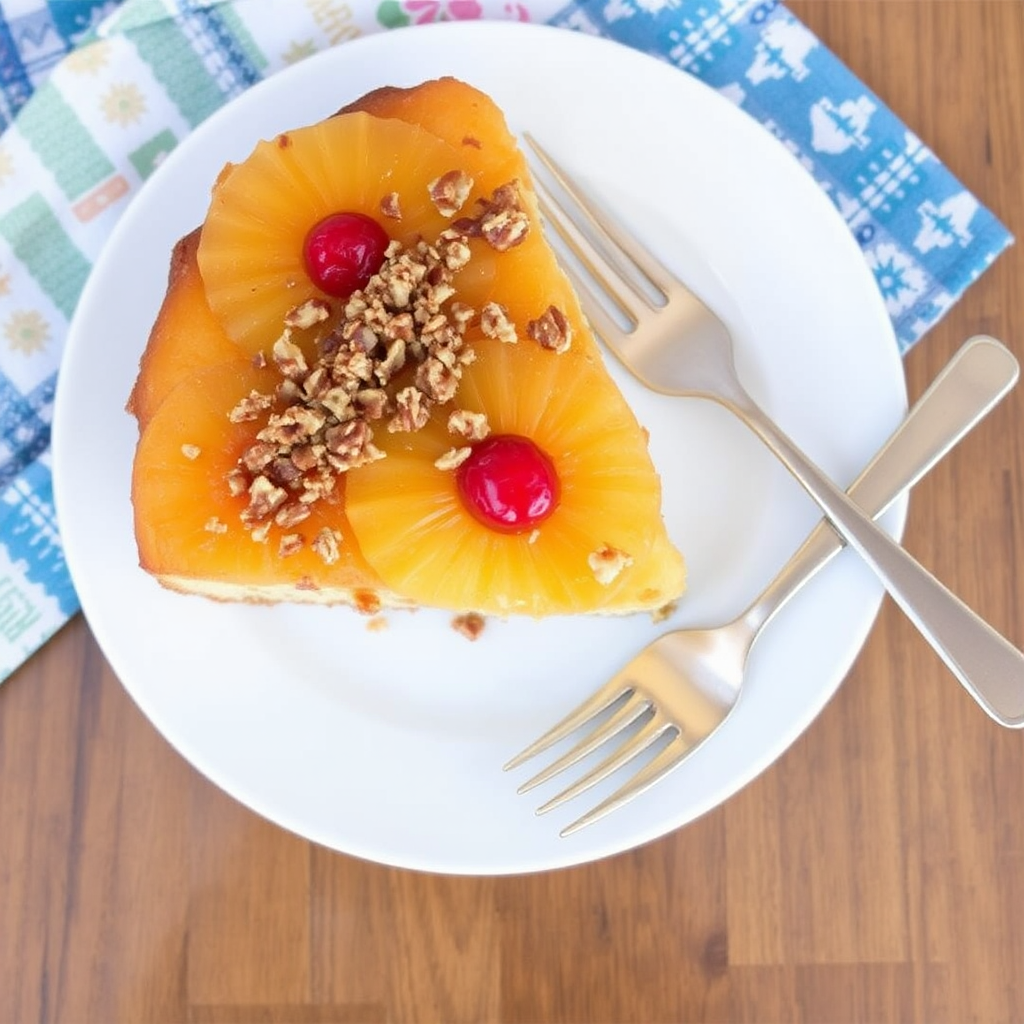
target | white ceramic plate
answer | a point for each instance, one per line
(389, 745)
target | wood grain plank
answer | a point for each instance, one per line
(110, 867)
(249, 926)
(640, 937)
(823, 993)
(424, 945)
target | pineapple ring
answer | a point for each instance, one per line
(415, 531)
(251, 249)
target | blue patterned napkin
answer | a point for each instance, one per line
(93, 94)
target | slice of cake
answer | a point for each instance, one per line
(370, 383)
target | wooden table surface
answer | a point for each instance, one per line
(875, 873)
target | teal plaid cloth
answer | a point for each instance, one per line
(94, 93)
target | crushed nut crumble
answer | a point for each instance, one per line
(382, 359)
(191, 451)
(214, 525)
(607, 563)
(470, 625)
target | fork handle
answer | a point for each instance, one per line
(989, 667)
(967, 388)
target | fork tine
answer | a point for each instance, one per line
(621, 241)
(634, 707)
(657, 768)
(613, 762)
(607, 274)
(604, 698)
(602, 322)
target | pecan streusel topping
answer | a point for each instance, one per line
(383, 358)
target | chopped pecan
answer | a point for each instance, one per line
(214, 525)
(238, 482)
(413, 410)
(287, 392)
(455, 250)
(360, 336)
(461, 315)
(453, 458)
(392, 362)
(504, 224)
(191, 451)
(258, 456)
(290, 544)
(373, 402)
(472, 426)
(288, 358)
(316, 383)
(400, 288)
(317, 484)
(551, 330)
(296, 425)
(337, 401)
(327, 545)
(308, 314)
(470, 625)
(450, 192)
(292, 514)
(304, 457)
(494, 323)
(436, 380)
(391, 207)
(401, 327)
(250, 407)
(346, 440)
(265, 497)
(283, 472)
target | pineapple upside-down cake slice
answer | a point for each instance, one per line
(371, 383)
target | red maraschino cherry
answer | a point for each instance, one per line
(343, 252)
(508, 483)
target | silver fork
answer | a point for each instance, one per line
(685, 683)
(677, 346)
